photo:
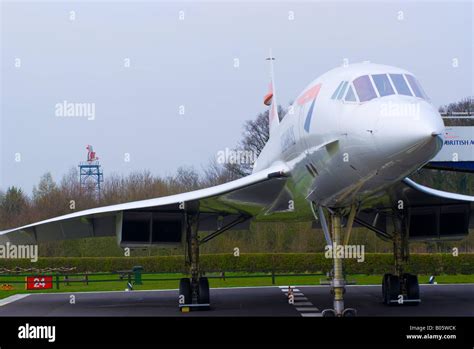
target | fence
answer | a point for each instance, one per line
(133, 277)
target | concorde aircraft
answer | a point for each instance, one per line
(343, 154)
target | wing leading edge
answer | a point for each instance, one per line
(248, 196)
(437, 193)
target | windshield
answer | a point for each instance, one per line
(364, 88)
(350, 96)
(368, 87)
(383, 85)
(400, 84)
(415, 86)
(343, 89)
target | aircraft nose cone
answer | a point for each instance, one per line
(404, 133)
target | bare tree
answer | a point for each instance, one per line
(215, 174)
(254, 138)
(464, 105)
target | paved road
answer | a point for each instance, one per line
(437, 300)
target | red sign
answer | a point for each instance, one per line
(39, 282)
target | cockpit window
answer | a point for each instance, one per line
(364, 88)
(400, 84)
(383, 84)
(334, 95)
(350, 96)
(343, 89)
(415, 86)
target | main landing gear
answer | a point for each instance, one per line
(400, 287)
(194, 293)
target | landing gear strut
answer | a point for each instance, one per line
(193, 292)
(400, 287)
(338, 282)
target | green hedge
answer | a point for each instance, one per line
(374, 263)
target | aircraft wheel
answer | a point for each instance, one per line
(329, 313)
(392, 289)
(349, 312)
(384, 287)
(204, 294)
(412, 286)
(185, 290)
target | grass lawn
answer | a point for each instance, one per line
(161, 281)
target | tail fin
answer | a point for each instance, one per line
(270, 100)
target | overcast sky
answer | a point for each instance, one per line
(190, 62)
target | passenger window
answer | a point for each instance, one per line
(350, 96)
(383, 84)
(415, 86)
(400, 84)
(364, 88)
(334, 95)
(343, 89)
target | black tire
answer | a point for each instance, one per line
(185, 290)
(329, 313)
(412, 286)
(349, 312)
(392, 289)
(204, 294)
(384, 287)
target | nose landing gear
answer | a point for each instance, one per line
(338, 281)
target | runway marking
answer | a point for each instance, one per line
(14, 298)
(312, 314)
(307, 309)
(300, 298)
(285, 290)
(301, 302)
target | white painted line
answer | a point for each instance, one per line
(293, 289)
(152, 290)
(14, 298)
(297, 304)
(307, 309)
(300, 298)
(311, 314)
(228, 288)
(459, 284)
(380, 285)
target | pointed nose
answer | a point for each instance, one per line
(420, 127)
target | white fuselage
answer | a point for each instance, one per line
(346, 149)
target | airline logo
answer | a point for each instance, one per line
(309, 95)
(269, 100)
(456, 137)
